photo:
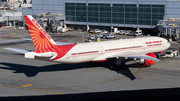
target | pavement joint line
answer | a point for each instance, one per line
(32, 89)
(95, 83)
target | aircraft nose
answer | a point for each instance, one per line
(166, 43)
(169, 44)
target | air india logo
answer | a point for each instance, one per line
(42, 31)
(40, 38)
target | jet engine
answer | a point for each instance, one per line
(146, 62)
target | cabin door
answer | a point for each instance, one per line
(101, 50)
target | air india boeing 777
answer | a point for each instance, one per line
(140, 49)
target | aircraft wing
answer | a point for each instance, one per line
(133, 54)
(18, 50)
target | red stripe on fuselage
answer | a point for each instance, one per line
(113, 50)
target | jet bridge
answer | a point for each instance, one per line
(169, 28)
(51, 22)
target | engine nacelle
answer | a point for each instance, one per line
(146, 62)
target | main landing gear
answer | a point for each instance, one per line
(118, 65)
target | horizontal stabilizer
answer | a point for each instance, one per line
(18, 50)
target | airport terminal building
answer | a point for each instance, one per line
(118, 13)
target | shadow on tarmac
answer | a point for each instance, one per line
(166, 94)
(31, 71)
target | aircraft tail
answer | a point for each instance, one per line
(39, 36)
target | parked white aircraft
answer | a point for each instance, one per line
(140, 49)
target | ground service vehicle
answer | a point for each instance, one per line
(121, 32)
(170, 53)
(110, 36)
(138, 32)
(104, 31)
(92, 37)
(100, 35)
(96, 31)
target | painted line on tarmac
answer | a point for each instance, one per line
(31, 89)
(95, 83)
(27, 85)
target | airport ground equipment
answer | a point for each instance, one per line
(169, 29)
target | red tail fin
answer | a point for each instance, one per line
(40, 38)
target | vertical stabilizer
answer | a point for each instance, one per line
(39, 36)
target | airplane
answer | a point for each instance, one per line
(140, 49)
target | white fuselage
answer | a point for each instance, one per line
(100, 51)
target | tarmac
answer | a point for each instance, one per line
(26, 77)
